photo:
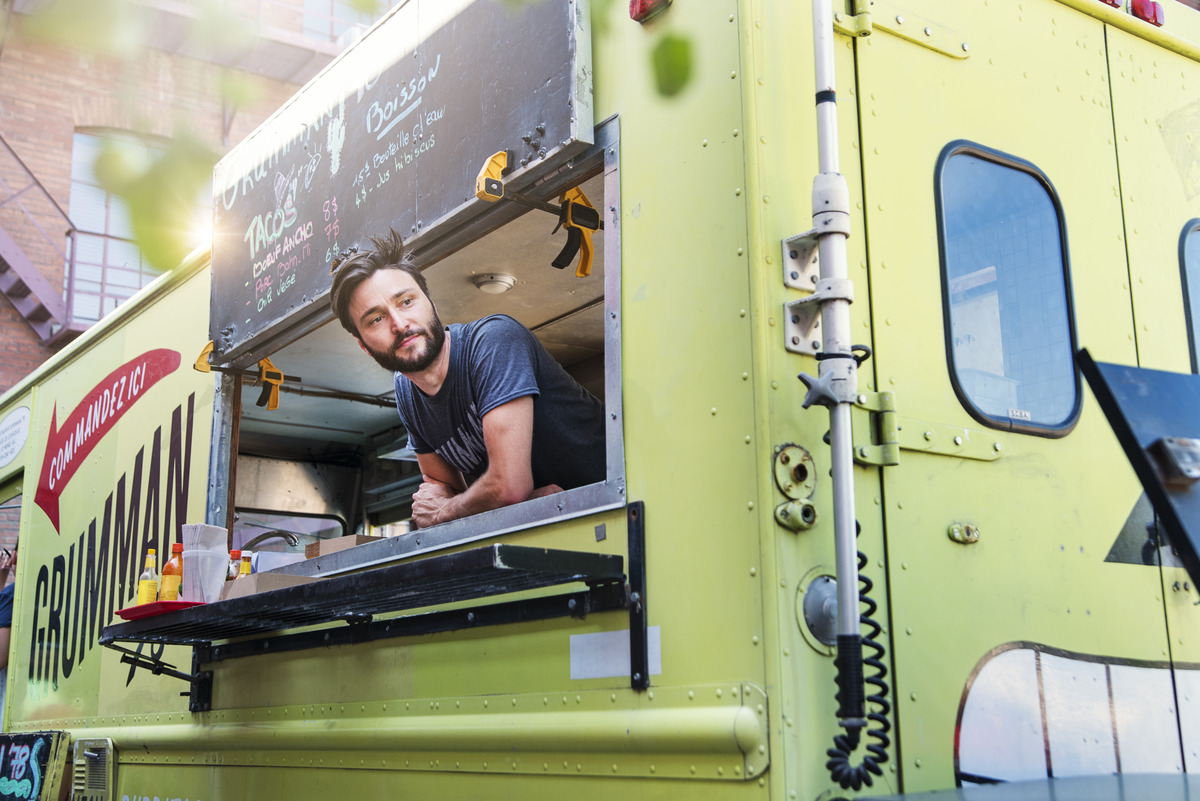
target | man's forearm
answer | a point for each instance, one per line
(508, 478)
(484, 495)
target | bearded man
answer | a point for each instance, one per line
(493, 418)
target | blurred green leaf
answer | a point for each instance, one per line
(119, 164)
(98, 26)
(160, 196)
(365, 6)
(671, 60)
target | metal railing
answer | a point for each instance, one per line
(104, 271)
(98, 271)
(38, 231)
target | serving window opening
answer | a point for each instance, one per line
(336, 439)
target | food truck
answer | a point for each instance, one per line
(864, 529)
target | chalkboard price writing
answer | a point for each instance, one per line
(31, 765)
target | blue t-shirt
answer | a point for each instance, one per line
(492, 361)
(6, 602)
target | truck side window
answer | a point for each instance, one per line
(1010, 334)
(1189, 265)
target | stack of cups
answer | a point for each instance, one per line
(205, 562)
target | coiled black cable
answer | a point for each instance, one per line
(852, 679)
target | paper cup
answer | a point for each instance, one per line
(204, 575)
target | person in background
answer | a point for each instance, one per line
(8, 566)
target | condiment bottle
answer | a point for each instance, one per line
(245, 569)
(172, 574)
(148, 581)
(235, 564)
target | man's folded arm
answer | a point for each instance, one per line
(508, 437)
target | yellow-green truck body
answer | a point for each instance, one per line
(1032, 629)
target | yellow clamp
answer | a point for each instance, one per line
(575, 212)
(580, 218)
(269, 377)
(201, 364)
(488, 185)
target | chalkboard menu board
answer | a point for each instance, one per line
(392, 134)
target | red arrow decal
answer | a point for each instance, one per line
(96, 414)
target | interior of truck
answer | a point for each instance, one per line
(333, 458)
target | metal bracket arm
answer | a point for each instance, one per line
(801, 267)
(801, 264)
(802, 316)
(155, 666)
(200, 690)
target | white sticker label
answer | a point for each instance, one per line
(605, 654)
(14, 431)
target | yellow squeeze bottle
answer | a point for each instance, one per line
(148, 581)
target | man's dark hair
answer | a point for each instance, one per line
(358, 266)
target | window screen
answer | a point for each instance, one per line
(1010, 334)
(1189, 263)
(108, 266)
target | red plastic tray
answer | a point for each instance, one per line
(156, 608)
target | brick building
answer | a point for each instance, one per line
(65, 258)
(65, 255)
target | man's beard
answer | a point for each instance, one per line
(435, 339)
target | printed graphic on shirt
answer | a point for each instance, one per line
(466, 451)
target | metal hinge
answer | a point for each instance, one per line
(866, 16)
(880, 433)
(873, 423)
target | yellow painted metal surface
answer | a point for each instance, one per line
(715, 733)
(781, 158)
(355, 778)
(117, 458)
(1156, 103)
(1035, 87)
(687, 340)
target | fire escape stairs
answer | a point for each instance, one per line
(25, 286)
(30, 293)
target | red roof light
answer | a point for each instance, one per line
(643, 10)
(1149, 11)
